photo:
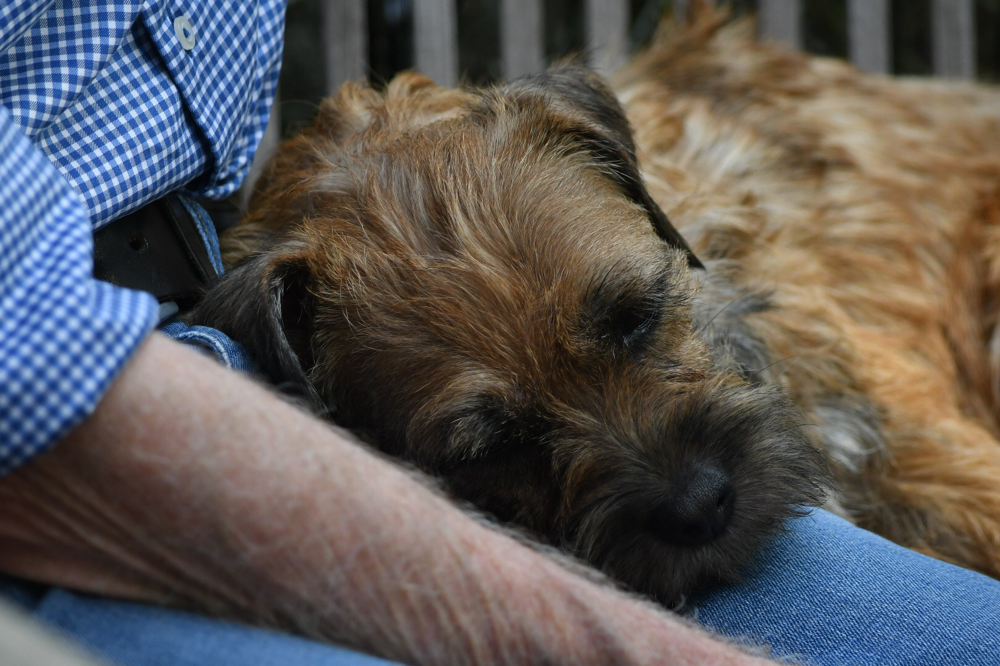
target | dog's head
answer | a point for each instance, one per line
(479, 283)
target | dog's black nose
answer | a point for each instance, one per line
(698, 512)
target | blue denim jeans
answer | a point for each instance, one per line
(824, 593)
(212, 342)
(831, 593)
(128, 634)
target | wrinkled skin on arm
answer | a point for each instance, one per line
(194, 487)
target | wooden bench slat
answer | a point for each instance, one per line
(607, 34)
(781, 20)
(345, 41)
(680, 8)
(869, 35)
(954, 38)
(435, 39)
(522, 40)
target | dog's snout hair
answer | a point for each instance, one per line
(689, 485)
(484, 283)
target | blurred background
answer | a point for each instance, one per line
(390, 41)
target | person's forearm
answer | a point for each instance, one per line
(191, 485)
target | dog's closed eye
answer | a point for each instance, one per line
(487, 429)
(631, 323)
(625, 312)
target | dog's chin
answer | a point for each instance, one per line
(669, 573)
(614, 535)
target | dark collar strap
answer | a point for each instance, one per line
(157, 249)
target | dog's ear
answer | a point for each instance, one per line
(265, 304)
(587, 109)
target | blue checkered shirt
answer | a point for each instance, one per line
(103, 108)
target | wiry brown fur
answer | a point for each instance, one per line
(472, 281)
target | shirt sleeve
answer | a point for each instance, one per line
(16, 16)
(228, 78)
(64, 336)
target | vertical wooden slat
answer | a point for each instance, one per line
(607, 34)
(869, 35)
(265, 151)
(522, 42)
(435, 36)
(781, 20)
(954, 38)
(345, 41)
(682, 7)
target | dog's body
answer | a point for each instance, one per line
(479, 283)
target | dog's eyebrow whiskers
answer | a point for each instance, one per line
(795, 361)
(704, 327)
(797, 426)
(795, 358)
